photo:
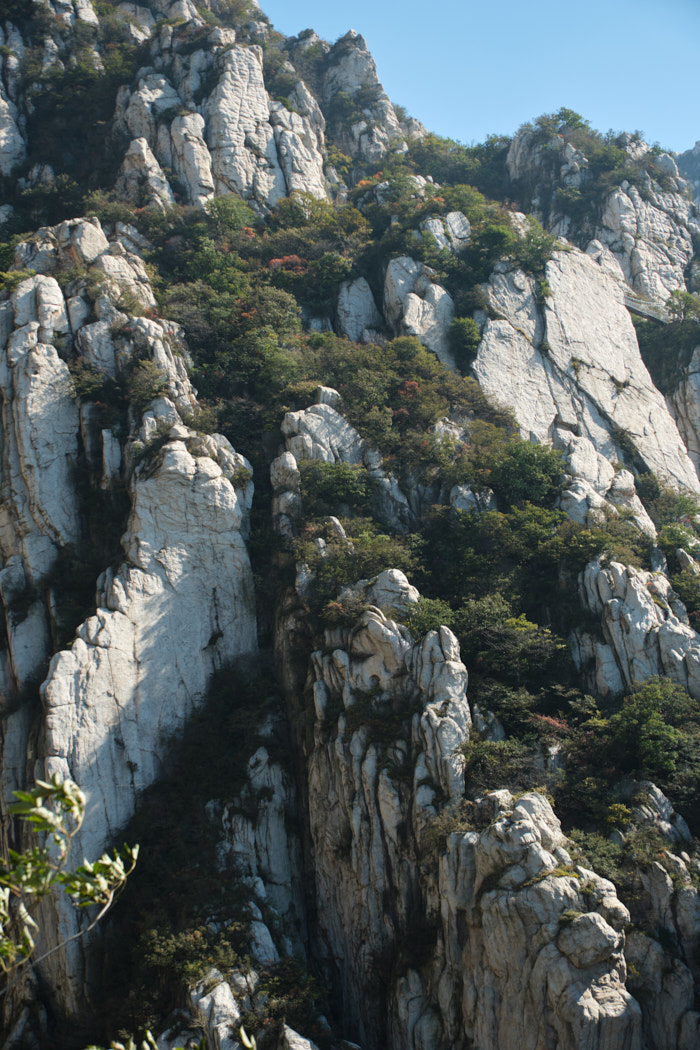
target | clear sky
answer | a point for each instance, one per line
(470, 68)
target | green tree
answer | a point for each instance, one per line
(642, 735)
(524, 471)
(682, 306)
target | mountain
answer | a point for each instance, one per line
(350, 533)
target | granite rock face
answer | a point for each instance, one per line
(494, 898)
(182, 603)
(227, 138)
(645, 628)
(439, 921)
(357, 310)
(13, 144)
(646, 225)
(415, 305)
(651, 237)
(571, 370)
(141, 179)
(352, 72)
(179, 609)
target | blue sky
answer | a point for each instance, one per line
(467, 69)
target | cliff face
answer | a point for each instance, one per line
(441, 389)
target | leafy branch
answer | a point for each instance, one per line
(55, 810)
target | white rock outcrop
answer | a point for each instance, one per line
(39, 513)
(13, 148)
(537, 930)
(571, 371)
(350, 69)
(651, 235)
(644, 635)
(180, 607)
(647, 225)
(415, 305)
(452, 232)
(390, 714)
(141, 179)
(226, 138)
(358, 316)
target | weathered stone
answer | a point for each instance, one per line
(575, 366)
(413, 305)
(640, 626)
(182, 607)
(357, 310)
(141, 179)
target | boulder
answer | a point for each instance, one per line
(357, 311)
(414, 305)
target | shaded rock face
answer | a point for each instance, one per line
(427, 945)
(13, 145)
(357, 311)
(684, 404)
(689, 166)
(490, 904)
(182, 603)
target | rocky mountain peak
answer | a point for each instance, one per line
(349, 548)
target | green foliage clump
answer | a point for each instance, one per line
(522, 472)
(683, 306)
(295, 998)
(653, 733)
(451, 163)
(54, 811)
(10, 280)
(145, 382)
(533, 251)
(607, 165)
(392, 394)
(667, 506)
(623, 864)
(465, 337)
(428, 614)
(330, 488)
(365, 553)
(644, 731)
(490, 765)
(519, 554)
(667, 349)
(509, 648)
(187, 956)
